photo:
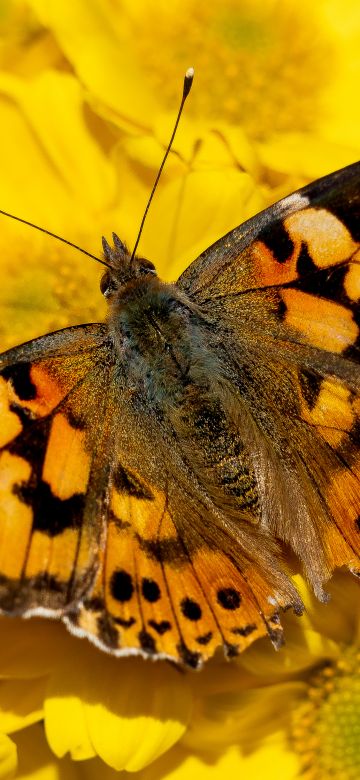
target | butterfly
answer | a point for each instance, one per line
(155, 467)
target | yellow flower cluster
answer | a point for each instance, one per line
(88, 95)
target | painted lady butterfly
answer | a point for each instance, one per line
(153, 467)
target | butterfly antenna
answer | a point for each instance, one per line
(188, 80)
(54, 235)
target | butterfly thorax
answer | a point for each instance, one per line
(157, 334)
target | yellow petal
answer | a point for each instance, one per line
(140, 718)
(69, 172)
(97, 41)
(243, 717)
(127, 711)
(337, 621)
(304, 647)
(272, 761)
(47, 286)
(36, 762)
(65, 725)
(21, 703)
(8, 757)
(305, 156)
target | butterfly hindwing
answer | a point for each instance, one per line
(284, 288)
(152, 593)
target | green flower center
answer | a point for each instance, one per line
(263, 65)
(327, 732)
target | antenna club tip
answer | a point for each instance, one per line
(188, 80)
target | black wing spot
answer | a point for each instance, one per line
(348, 216)
(191, 609)
(52, 515)
(124, 623)
(121, 585)
(121, 525)
(150, 590)
(229, 598)
(205, 638)
(305, 265)
(322, 282)
(310, 385)
(147, 642)
(160, 628)
(231, 651)
(357, 523)
(188, 657)
(244, 630)
(107, 633)
(75, 419)
(95, 604)
(130, 484)
(278, 241)
(19, 375)
(24, 415)
(170, 550)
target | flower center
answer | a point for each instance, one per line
(326, 733)
(263, 65)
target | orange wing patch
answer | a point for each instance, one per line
(15, 517)
(324, 324)
(67, 463)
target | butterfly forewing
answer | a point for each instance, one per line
(52, 399)
(284, 288)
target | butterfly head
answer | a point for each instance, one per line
(122, 269)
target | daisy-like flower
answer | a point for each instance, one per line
(88, 94)
(272, 106)
(291, 714)
(295, 713)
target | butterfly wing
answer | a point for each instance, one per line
(284, 291)
(53, 393)
(96, 530)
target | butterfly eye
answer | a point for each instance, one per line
(146, 267)
(106, 285)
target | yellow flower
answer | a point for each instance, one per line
(88, 95)
(264, 116)
(295, 713)
(126, 712)
(282, 72)
(288, 714)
